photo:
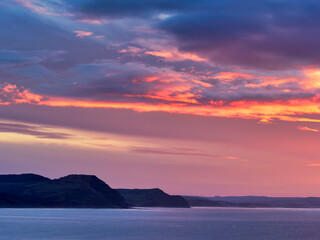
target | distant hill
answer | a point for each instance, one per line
(286, 202)
(73, 191)
(152, 198)
(253, 201)
(195, 201)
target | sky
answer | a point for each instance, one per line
(196, 97)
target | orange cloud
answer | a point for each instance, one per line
(307, 129)
(265, 80)
(249, 110)
(314, 165)
(183, 103)
(178, 93)
(231, 76)
(313, 78)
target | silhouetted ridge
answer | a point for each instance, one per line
(154, 197)
(78, 178)
(23, 178)
(89, 190)
(81, 191)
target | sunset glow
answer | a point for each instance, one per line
(170, 95)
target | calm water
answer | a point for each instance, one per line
(154, 224)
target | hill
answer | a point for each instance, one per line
(152, 198)
(73, 191)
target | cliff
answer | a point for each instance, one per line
(73, 191)
(152, 198)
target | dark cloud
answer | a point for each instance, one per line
(265, 33)
(257, 95)
(129, 8)
(106, 80)
(36, 131)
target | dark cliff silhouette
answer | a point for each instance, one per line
(152, 198)
(77, 191)
(73, 191)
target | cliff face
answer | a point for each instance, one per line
(152, 198)
(73, 191)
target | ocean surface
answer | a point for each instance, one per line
(161, 224)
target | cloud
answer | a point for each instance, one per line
(32, 130)
(184, 57)
(92, 21)
(262, 34)
(129, 8)
(307, 129)
(20, 59)
(176, 55)
(81, 34)
(50, 8)
(111, 84)
(180, 151)
(11, 94)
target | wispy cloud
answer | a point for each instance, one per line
(302, 128)
(92, 21)
(45, 8)
(180, 151)
(81, 34)
(32, 130)
(176, 55)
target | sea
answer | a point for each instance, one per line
(161, 224)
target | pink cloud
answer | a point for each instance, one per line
(175, 55)
(81, 34)
(10, 93)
